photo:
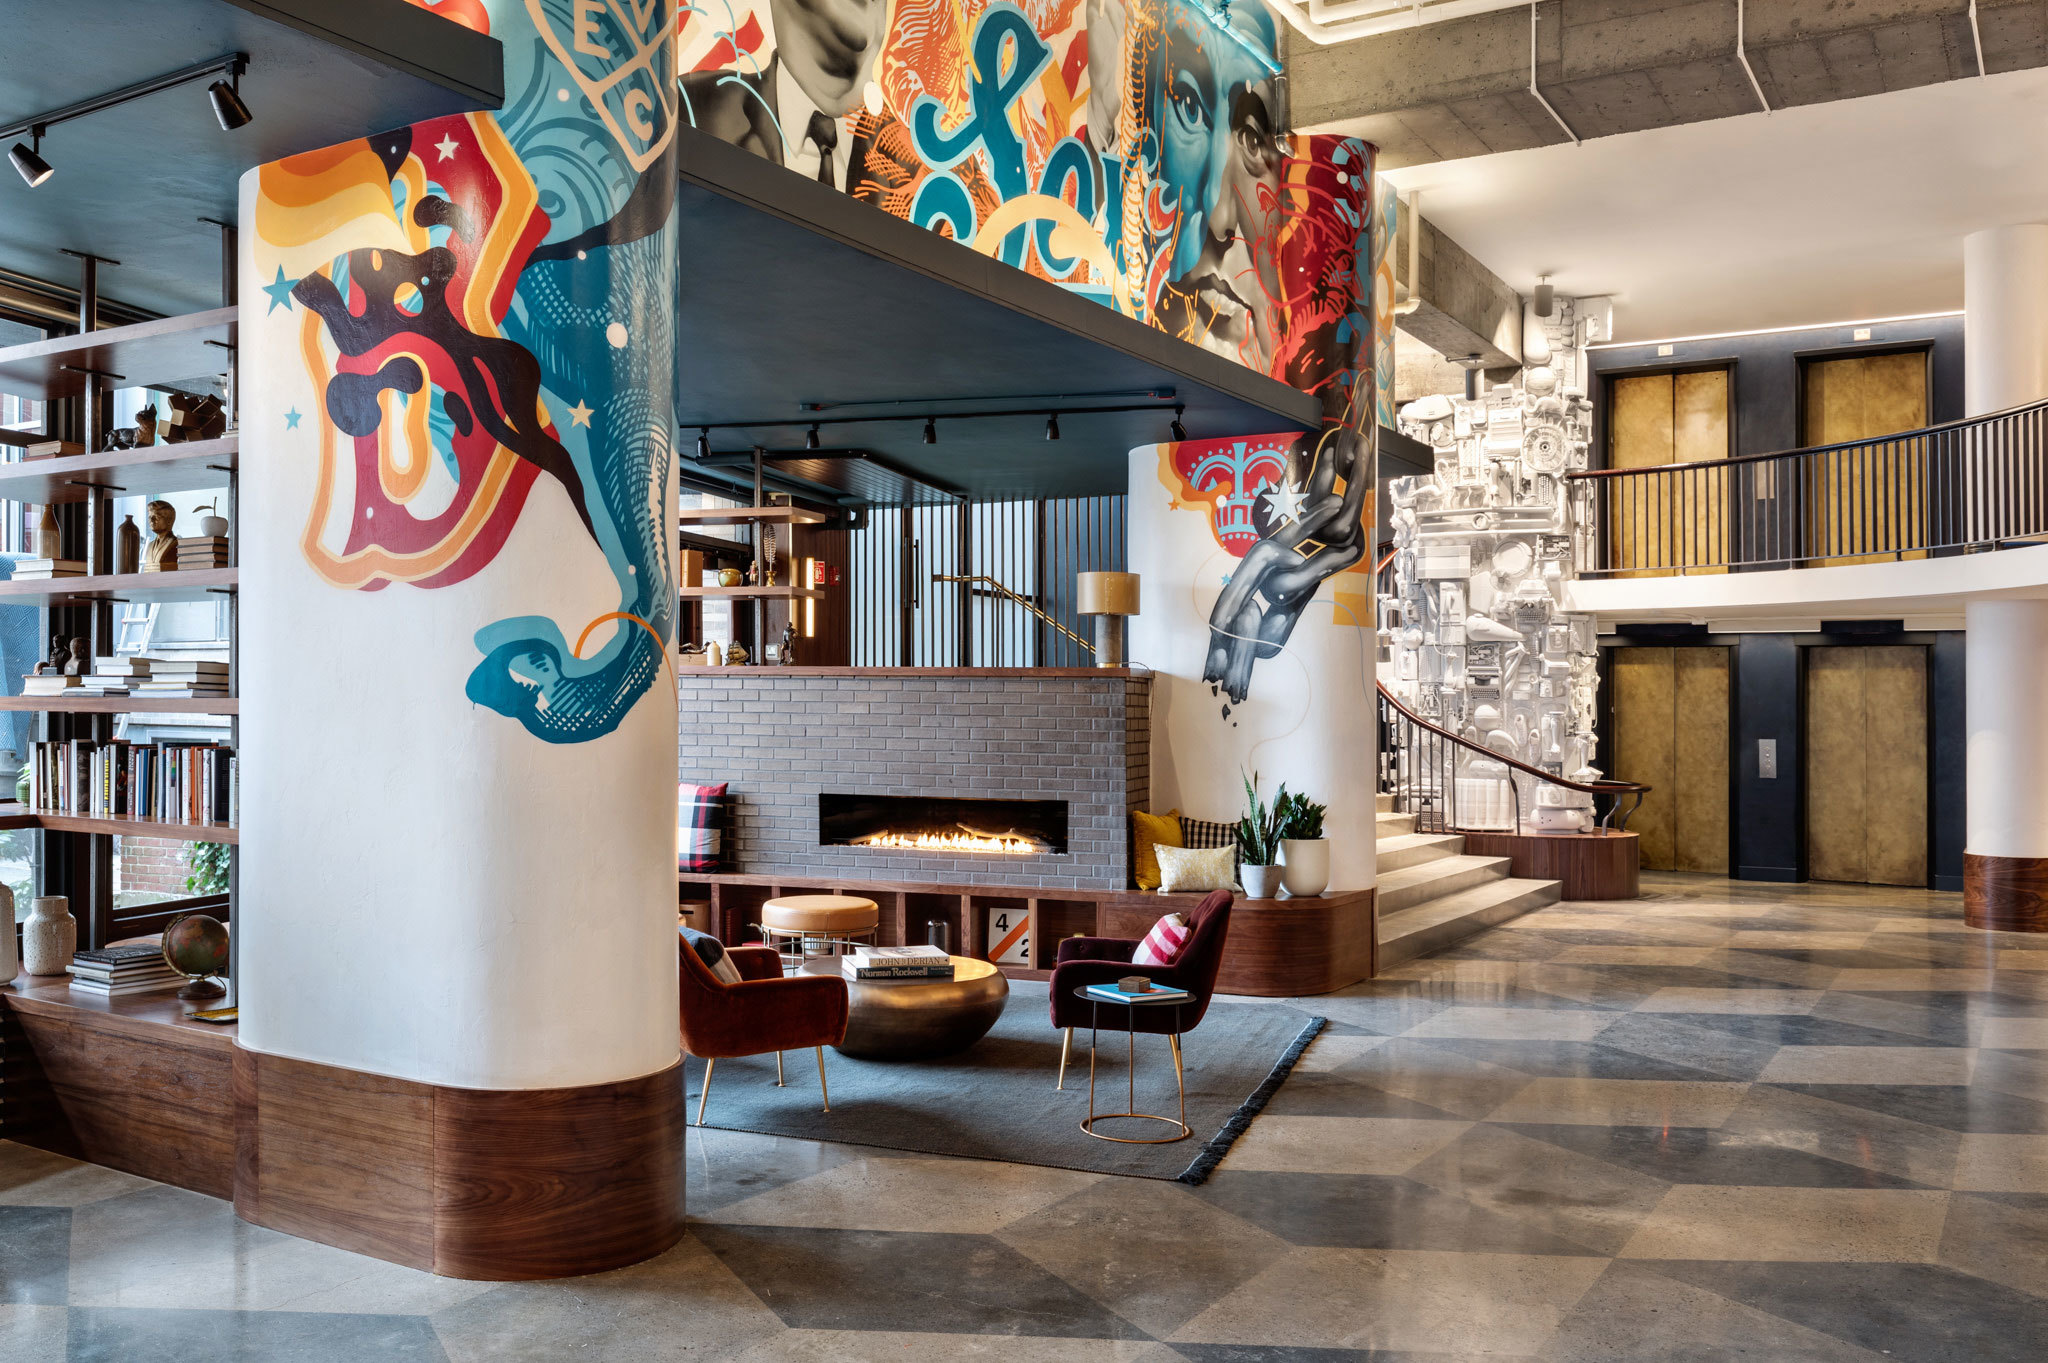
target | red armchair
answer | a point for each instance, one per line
(763, 1012)
(1105, 960)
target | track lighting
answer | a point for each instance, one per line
(811, 440)
(931, 431)
(703, 442)
(227, 103)
(28, 161)
(1052, 427)
(1179, 431)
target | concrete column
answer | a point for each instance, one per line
(2005, 317)
(2005, 850)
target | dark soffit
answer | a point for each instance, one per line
(132, 182)
(793, 293)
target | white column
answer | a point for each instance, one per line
(2007, 774)
(2005, 317)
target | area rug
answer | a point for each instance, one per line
(996, 1099)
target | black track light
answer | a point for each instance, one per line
(703, 442)
(931, 431)
(1052, 427)
(1179, 431)
(28, 161)
(227, 103)
(811, 440)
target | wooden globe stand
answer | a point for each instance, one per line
(199, 988)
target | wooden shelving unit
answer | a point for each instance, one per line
(187, 353)
(149, 472)
(750, 515)
(752, 593)
(124, 705)
(196, 584)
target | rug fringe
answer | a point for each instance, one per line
(1240, 1121)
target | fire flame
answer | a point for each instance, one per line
(1008, 844)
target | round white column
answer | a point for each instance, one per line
(2005, 317)
(2006, 819)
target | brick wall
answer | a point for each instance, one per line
(779, 738)
(155, 864)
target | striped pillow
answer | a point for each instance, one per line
(699, 818)
(1163, 943)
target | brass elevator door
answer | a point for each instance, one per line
(1866, 765)
(1671, 733)
(1670, 418)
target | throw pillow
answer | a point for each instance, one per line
(712, 953)
(1208, 833)
(1163, 944)
(1189, 868)
(698, 840)
(1147, 832)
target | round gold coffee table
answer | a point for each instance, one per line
(918, 1019)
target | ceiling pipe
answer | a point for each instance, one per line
(1532, 81)
(1977, 38)
(1392, 16)
(1742, 54)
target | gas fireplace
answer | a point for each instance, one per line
(921, 823)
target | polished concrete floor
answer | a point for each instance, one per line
(1726, 1121)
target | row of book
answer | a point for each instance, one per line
(45, 569)
(896, 963)
(108, 971)
(123, 676)
(180, 781)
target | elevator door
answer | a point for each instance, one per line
(1671, 733)
(1670, 418)
(1866, 765)
(1868, 497)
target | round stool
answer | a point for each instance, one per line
(830, 921)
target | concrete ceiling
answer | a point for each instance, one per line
(1835, 211)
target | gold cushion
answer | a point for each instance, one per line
(1147, 832)
(820, 913)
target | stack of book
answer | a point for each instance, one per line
(122, 970)
(44, 449)
(44, 569)
(182, 677)
(896, 963)
(115, 676)
(1158, 993)
(50, 684)
(202, 551)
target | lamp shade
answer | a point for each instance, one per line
(1107, 593)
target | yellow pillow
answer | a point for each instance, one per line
(1147, 831)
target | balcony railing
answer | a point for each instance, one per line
(1979, 483)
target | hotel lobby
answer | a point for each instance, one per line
(1243, 683)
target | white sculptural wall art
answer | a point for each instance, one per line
(1477, 641)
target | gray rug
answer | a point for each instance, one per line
(996, 1099)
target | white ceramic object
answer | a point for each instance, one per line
(10, 966)
(1260, 882)
(213, 525)
(1305, 866)
(49, 937)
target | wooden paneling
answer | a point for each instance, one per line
(2005, 894)
(1866, 752)
(1671, 716)
(1276, 948)
(1592, 865)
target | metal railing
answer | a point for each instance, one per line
(1979, 483)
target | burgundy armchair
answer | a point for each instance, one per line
(1105, 960)
(763, 1012)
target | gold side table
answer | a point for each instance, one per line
(1130, 1112)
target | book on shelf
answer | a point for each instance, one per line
(162, 668)
(171, 780)
(48, 683)
(122, 974)
(1158, 993)
(168, 980)
(123, 665)
(43, 569)
(103, 957)
(45, 449)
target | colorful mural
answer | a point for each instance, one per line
(1136, 151)
(484, 301)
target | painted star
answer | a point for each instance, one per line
(280, 291)
(1285, 501)
(447, 146)
(579, 415)
(292, 419)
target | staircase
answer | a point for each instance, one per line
(1431, 895)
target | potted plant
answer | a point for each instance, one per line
(1304, 851)
(1258, 841)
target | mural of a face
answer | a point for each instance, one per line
(1220, 117)
(829, 47)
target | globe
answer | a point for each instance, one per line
(196, 946)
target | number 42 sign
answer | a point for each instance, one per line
(1009, 936)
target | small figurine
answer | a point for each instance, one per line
(59, 655)
(78, 663)
(145, 427)
(194, 418)
(735, 655)
(162, 555)
(753, 571)
(788, 644)
(121, 438)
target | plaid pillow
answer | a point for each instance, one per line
(1163, 943)
(1204, 833)
(700, 820)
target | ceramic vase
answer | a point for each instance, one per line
(1260, 882)
(127, 546)
(10, 964)
(1305, 866)
(49, 937)
(48, 537)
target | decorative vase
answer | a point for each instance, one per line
(49, 937)
(49, 540)
(128, 546)
(1260, 882)
(10, 961)
(1305, 866)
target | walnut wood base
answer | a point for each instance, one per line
(1277, 948)
(1592, 865)
(2005, 894)
(495, 1184)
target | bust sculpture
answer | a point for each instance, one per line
(78, 661)
(162, 554)
(59, 655)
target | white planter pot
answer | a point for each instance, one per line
(1305, 866)
(1260, 882)
(49, 937)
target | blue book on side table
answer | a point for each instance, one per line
(1158, 993)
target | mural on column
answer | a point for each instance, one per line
(483, 301)
(1136, 151)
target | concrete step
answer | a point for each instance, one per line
(1413, 885)
(1402, 850)
(1442, 922)
(1391, 824)
(1383, 803)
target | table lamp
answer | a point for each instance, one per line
(1109, 597)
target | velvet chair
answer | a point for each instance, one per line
(763, 1012)
(1105, 960)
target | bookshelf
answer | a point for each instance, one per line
(752, 593)
(149, 472)
(750, 515)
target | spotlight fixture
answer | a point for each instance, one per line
(1179, 431)
(1546, 297)
(227, 103)
(703, 442)
(28, 161)
(1052, 427)
(931, 431)
(811, 440)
